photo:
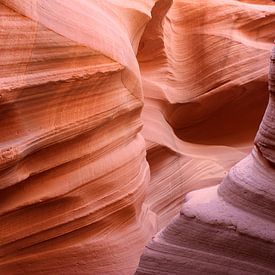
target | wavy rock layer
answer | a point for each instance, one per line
(203, 66)
(73, 171)
(230, 228)
(78, 79)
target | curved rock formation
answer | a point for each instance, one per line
(230, 228)
(73, 171)
(204, 73)
(93, 91)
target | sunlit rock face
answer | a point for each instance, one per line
(111, 111)
(73, 168)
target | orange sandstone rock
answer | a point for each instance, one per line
(226, 229)
(73, 172)
(110, 112)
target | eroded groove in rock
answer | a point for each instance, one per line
(229, 228)
(93, 91)
(203, 66)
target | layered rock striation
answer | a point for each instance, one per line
(228, 228)
(73, 171)
(111, 111)
(204, 73)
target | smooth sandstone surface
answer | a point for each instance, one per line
(111, 112)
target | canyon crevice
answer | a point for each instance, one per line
(126, 130)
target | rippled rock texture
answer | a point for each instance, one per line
(111, 111)
(230, 228)
(73, 168)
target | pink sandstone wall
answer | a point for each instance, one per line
(111, 111)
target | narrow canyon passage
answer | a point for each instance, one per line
(112, 112)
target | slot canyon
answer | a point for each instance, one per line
(137, 137)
